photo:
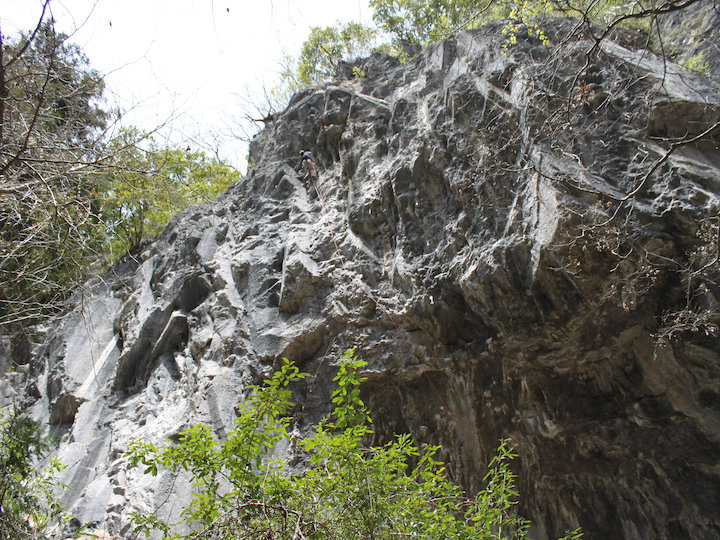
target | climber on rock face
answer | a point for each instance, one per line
(307, 164)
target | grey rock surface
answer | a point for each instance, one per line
(691, 36)
(471, 234)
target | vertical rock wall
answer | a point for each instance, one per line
(471, 235)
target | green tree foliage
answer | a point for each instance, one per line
(51, 96)
(421, 22)
(144, 185)
(347, 489)
(323, 50)
(405, 22)
(425, 21)
(28, 507)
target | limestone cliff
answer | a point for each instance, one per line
(521, 245)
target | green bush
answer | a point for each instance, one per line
(28, 507)
(346, 490)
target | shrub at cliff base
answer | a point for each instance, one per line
(28, 507)
(347, 490)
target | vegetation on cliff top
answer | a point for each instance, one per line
(404, 25)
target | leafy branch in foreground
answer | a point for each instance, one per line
(347, 489)
(28, 507)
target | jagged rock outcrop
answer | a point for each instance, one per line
(498, 235)
(690, 35)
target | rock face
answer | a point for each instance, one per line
(691, 35)
(499, 236)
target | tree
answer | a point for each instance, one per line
(346, 490)
(322, 52)
(143, 186)
(326, 47)
(74, 198)
(28, 507)
(50, 123)
(426, 21)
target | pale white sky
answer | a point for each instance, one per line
(198, 62)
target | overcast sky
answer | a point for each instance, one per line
(198, 61)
